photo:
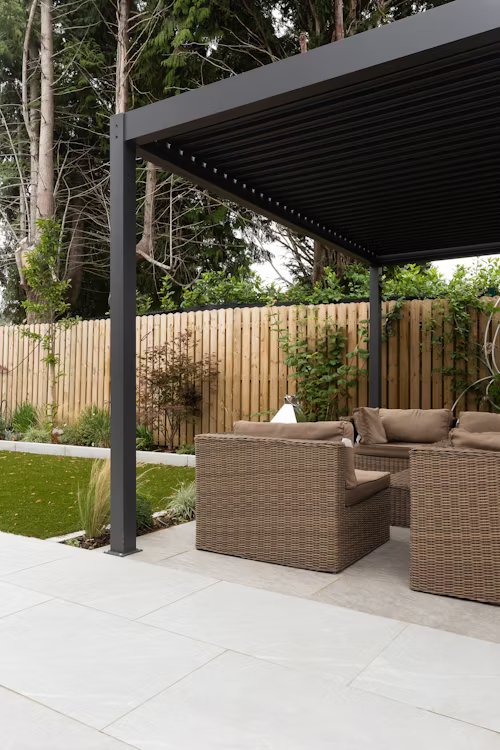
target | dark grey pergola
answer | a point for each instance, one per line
(384, 145)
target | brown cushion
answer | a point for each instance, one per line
(369, 483)
(334, 431)
(369, 426)
(296, 430)
(485, 441)
(479, 421)
(416, 425)
(388, 450)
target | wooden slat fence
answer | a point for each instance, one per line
(253, 376)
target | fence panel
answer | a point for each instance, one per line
(252, 373)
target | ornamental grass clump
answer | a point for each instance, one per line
(182, 504)
(94, 501)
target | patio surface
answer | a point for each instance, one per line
(178, 649)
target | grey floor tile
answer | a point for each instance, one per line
(329, 641)
(26, 725)
(21, 552)
(445, 673)
(111, 584)
(14, 598)
(251, 573)
(240, 703)
(90, 665)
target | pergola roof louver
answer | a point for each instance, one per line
(385, 145)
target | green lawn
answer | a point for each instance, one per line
(38, 494)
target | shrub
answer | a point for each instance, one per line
(94, 427)
(186, 449)
(93, 502)
(170, 386)
(323, 378)
(144, 513)
(144, 438)
(36, 435)
(183, 502)
(71, 435)
(25, 416)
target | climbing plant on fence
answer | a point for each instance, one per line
(323, 378)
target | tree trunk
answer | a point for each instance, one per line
(45, 192)
(145, 248)
(318, 262)
(122, 61)
(34, 103)
(76, 252)
(339, 20)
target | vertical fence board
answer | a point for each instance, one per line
(245, 362)
(237, 341)
(228, 366)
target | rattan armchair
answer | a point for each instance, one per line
(455, 523)
(283, 501)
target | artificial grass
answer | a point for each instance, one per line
(38, 494)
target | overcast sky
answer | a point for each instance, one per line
(272, 272)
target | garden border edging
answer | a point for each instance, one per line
(82, 451)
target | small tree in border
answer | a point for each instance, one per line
(47, 302)
(170, 386)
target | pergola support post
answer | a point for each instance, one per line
(375, 337)
(123, 362)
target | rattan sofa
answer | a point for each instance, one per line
(283, 501)
(455, 523)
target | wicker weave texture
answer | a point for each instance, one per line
(400, 498)
(283, 501)
(455, 523)
(380, 463)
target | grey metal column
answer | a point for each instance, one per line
(375, 337)
(123, 306)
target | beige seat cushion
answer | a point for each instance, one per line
(333, 431)
(479, 421)
(484, 441)
(369, 426)
(416, 425)
(388, 450)
(369, 483)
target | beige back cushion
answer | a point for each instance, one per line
(479, 421)
(334, 431)
(369, 426)
(484, 441)
(416, 425)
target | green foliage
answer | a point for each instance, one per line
(94, 427)
(186, 449)
(182, 505)
(144, 438)
(25, 417)
(36, 435)
(46, 300)
(414, 281)
(323, 378)
(144, 513)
